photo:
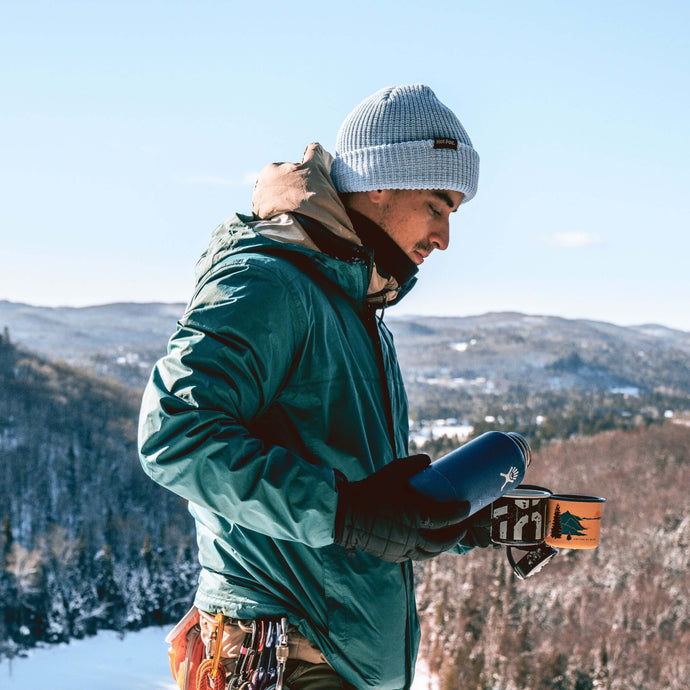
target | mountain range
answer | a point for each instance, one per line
(489, 353)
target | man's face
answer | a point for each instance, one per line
(416, 219)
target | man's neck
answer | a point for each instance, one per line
(388, 256)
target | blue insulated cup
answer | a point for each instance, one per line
(478, 472)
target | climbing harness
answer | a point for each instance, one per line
(260, 664)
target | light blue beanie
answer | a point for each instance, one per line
(403, 137)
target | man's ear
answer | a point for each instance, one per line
(369, 204)
(377, 196)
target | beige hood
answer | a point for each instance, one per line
(285, 188)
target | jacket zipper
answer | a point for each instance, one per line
(372, 328)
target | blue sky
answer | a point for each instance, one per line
(129, 130)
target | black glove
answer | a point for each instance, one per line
(385, 517)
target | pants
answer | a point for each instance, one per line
(306, 669)
(301, 675)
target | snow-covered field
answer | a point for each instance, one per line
(139, 661)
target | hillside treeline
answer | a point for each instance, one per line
(546, 415)
(87, 540)
(615, 617)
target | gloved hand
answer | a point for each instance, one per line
(385, 517)
(478, 530)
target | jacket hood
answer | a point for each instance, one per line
(305, 188)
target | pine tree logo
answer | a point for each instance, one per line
(556, 526)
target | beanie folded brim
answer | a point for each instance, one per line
(408, 165)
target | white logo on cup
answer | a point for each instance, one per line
(510, 476)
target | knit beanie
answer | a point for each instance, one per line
(403, 137)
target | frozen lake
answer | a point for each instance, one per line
(137, 661)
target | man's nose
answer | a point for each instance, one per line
(440, 239)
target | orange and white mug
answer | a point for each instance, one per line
(573, 521)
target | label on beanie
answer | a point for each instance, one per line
(445, 143)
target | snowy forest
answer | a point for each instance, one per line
(88, 542)
(614, 617)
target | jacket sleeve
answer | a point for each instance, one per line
(232, 353)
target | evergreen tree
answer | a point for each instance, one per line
(556, 528)
(57, 615)
(7, 540)
(583, 680)
(602, 677)
(524, 666)
(79, 591)
(110, 612)
(136, 607)
(8, 594)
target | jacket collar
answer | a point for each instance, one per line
(389, 258)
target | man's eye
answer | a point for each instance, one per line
(434, 211)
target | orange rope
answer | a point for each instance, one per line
(211, 674)
(207, 680)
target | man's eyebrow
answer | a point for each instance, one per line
(445, 198)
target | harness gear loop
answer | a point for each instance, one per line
(282, 652)
(211, 675)
(244, 664)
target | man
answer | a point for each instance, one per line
(279, 411)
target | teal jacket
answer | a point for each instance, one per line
(280, 377)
